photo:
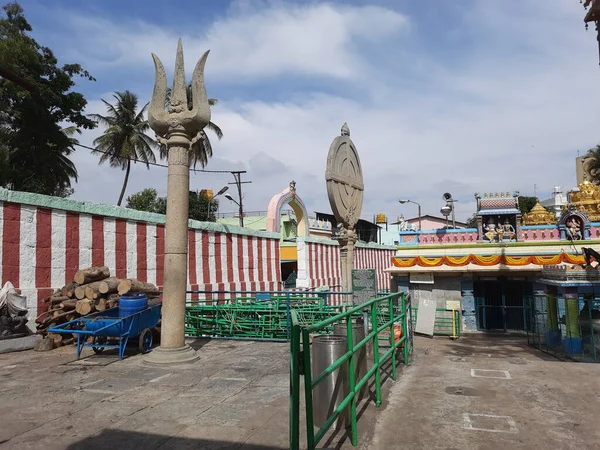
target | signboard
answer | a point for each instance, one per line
(422, 277)
(426, 312)
(453, 305)
(364, 285)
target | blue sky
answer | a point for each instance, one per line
(463, 96)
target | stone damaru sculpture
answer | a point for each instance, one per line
(178, 126)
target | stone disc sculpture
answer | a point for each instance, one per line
(344, 180)
(345, 190)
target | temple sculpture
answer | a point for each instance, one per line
(539, 216)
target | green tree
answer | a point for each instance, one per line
(201, 145)
(472, 221)
(526, 203)
(147, 200)
(125, 139)
(202, 208)
(35, 98)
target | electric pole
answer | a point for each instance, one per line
(238, 182)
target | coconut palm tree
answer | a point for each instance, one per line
(591, 164)
(125, 139)
(201, 149)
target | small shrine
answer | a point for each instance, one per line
(586, 199)
(539, 216)
(574, 225)
(498, 217)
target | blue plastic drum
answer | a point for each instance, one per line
(132, 303)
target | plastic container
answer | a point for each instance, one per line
(132, 303)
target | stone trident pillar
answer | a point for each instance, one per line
(345, 190)
(177, 127)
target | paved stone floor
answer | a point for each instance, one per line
(490, 392)
(480, 392)
(236, 396)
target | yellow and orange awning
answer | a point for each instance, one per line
(491, 260)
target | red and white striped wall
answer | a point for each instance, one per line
(42, 248)
(375, 258)
(319, 264)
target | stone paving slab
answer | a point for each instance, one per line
(439, 404)
(236, 396)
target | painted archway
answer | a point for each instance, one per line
(287, 196)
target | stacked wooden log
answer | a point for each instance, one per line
(92, 289)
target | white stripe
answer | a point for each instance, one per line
(245, 258)
(131, 248)
(234, 260)
(211, 259)
(59, 248)
(151, 252)
(1, 236)
(27, 250)
(254, 263)
(110, 243)
(85, 240)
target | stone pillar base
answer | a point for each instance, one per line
(171, 356)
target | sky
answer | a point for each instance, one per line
(457, 96)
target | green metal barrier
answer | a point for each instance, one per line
(248, 317)
(445, 321)
(300, 363)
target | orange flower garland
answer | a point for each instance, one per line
(489, 260)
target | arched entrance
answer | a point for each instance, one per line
(288, 247)
(288, 196)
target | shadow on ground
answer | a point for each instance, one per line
(111, 438)
(496, 345)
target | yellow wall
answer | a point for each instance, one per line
(288, 253)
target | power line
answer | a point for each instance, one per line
(158, 164)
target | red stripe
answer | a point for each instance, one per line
(229, 245)
(42, 307)
(97, 241)
(160, 254)
(72, 244)
(43, 254)
(121, 248)
(142, 251)
(10, 243)
(192, 257)
(205, 259)
(278, 261)
(218, 262)
(250, 259)
(240, 244)
(259, 259)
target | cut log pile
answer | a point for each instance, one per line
(92, 289)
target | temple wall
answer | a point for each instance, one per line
(319, 263)
(45, 240)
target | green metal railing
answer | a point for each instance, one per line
(300, 363)
(254, 315)
(445, 321)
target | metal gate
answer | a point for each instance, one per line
(500, 304)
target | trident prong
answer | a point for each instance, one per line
(178, 115)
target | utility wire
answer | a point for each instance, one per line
(157, 164)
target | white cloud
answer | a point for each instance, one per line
(315, 39)
(503, 112)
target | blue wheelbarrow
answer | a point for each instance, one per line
(113, 328)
